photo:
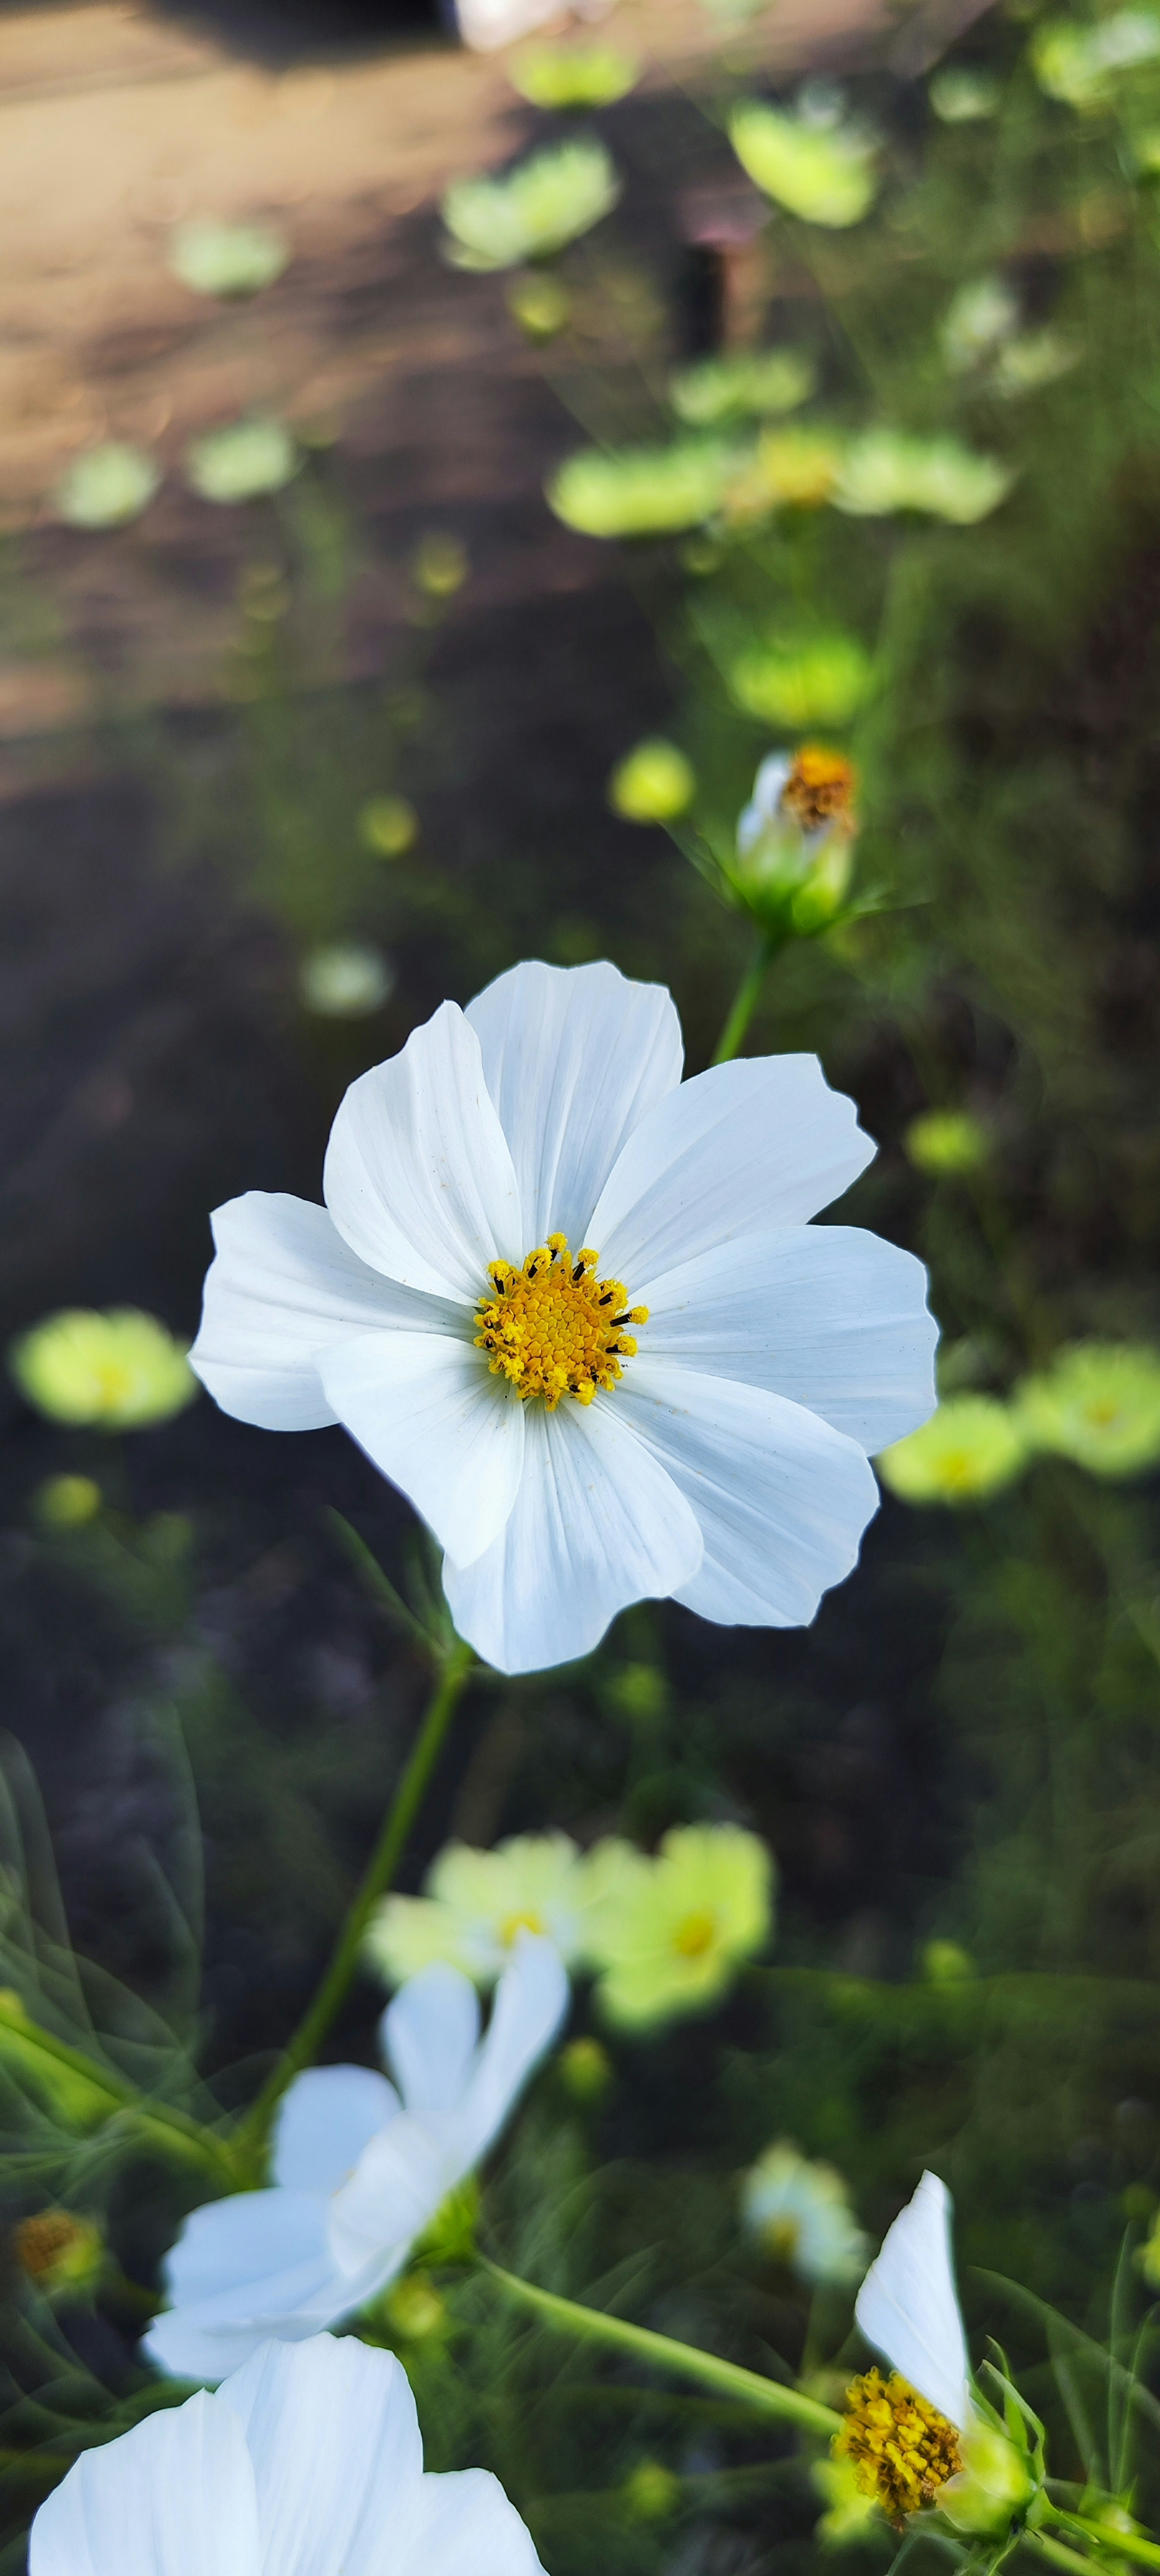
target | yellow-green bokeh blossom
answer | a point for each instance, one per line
(668, 1933)
(227, 260)
(802, 681)
(642, 491)
(388, 825)
(1080, 65)
(475, 1904)
(242, 462)
(117, 1371)
(801, 2213)
(961, 95)
(1098, 1403)
(561, 76)
(346, 980)
(945, 1142)
(973, 1446)
(885, 470)
(822, 173)
(67, 1502)
(653, 783)
(107, 486)
(532, 211)
(788, 469)
(742, 387)
(539, 304)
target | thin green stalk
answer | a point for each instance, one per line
(376, 1879)
(1129, 2544)
(767, 2396)
(1058, 2555)
(746, 998)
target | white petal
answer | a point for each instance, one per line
(756, 817)
(283, 1287)
(828, 1315)
(530, 2003)
(334, 2439)
(173, 2497)
(430, 2033)
(782, 1500)
(596, 1524)
(243, 2268)
(324, 2123)
(392, 2195)
(907, 2307)
(757, 1143)
(418, 1175)
(574, 1057)
(461, 2524)
(432, 1418)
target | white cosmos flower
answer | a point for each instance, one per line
(358, 2174)
(718, 1453)
(908, 2307)
(307, 2463)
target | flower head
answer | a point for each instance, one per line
(668, 1933)
(477, 1903)
(795, 840)
(507, 1201)
(307, 2460)
(119, 1370)
(971, 1448)
(885, 470)
(359, 2175)
(1079, 65)
(653, 783)
(961, 95)
(107, 485)
(642, 491)
(242, 462)
(345, 981)
(902, 2451)
(574, 75)
(228, 260)
(802, 681)
(60, 2252)
(788, 469)
(733, 388)
(802, 2214)
(1098, 1403)
(945, 1142)
(824, 174)
(532, 211)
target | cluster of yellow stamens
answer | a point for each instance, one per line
(41, 2243)
(820, 789)
(899, 2446)
(553, 1328)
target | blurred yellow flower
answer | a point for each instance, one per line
(119, 1370)
(801, 681)
(788, 469)
(642, 491)
(1079, 64)
(476, 1904)
(823, 173)
(652, 784)
(107, 485)
(59, 2252)
(540, 305)
(886, 470)
(574, 75)
(1098, 1403)
(668, 1933)
(242, 462)
(532, 211)
(946, 1141)
(971, 1448)
(734, 388)
(67, 1502)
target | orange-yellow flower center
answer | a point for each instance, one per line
(900, 2448)
(820, 789)
(694, 1933)
(553, 1328)
(514, 1924)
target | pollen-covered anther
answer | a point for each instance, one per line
(899, 2446)
(553, 1328)
(820, 789)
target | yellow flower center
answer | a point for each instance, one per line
(1101, 1412)
(514, 1924)
(694, 1933)
(41, 2241)
(820, 789)
(781, 2237)
(899, 2446)
(553, 1328)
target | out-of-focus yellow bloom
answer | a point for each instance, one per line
(227, 260)
(242, 462)
(971, 1448)
(1098, 1403)
(789, 469)
(802, 681)
(736, 388)
(574, 75)
(885, 470)
(994, 2482)
(532, 211)
(652, 784)
(959, 95)
(850, 2513)
(1080, 65)
(388, 825)
(668, 1933)
(345, 981)
(61, 2253)
(642, 491)
(476, 1904)
(67, 1502)
(945, 1141)
(107, 485)
(119, 1370)
(540, 305)
(801, 2212)
(824, 174)
(439, 564)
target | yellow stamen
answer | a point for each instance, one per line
(899, 2446)
(820, 789)
(41, 2241)
(694, 1933)
(553, 1328)
(514, 1924)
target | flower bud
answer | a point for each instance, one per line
(994, 2483)
(652, 784)
(58, 2251)
(795, 841)
(585, 2070)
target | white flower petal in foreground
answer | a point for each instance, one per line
(574, 1308)
(908, 2307)
(306, 2462)
(358, 2174)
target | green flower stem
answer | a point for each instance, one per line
(1058, 2555)
(102, 2096)
(747, 997)
(766, 2396)
(250, 2141)
(1129, 2544)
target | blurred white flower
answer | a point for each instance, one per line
(566, 1469)
(241, 462)
(345, 981)
(476, 1904)
(215, 258)
(358, 2174)
(107, 485)
(801, 2212)
(306, 2459)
